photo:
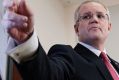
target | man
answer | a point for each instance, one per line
(85, 62)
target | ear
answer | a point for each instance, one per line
(76, 28)
(109, 27)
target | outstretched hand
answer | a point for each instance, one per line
(18, 20)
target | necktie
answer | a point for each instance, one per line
(109, 66)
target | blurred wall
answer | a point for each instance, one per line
(50, 22)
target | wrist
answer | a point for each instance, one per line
(24, 40)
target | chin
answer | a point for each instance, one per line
(95, 36)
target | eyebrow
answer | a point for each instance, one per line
(89, 12)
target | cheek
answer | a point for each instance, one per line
(106, 29)
(82, 30)
(82, 27)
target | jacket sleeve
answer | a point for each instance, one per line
(57, 65)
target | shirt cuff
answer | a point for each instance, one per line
(24, 51)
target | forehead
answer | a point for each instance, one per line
(92, 7)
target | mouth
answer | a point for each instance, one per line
(95, 28)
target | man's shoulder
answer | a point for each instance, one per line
(61, 48)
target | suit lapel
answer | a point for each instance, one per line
(90, 56)
(115, 64)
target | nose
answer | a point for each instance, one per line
(94, 19)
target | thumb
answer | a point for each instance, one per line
(24, 9)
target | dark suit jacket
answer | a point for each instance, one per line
(65, 63)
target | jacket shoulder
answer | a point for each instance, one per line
(60, 48)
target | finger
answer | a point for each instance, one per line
(9, 15)
(7, 24)
(10, 24)
(11, 19)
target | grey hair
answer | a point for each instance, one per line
(77, 13)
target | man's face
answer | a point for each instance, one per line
(93, 23)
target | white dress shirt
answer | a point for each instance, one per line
(24, 50)
(91, 48)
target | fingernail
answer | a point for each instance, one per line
(25, 18)
(25, 24)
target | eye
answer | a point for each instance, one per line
(86, 17)
(101, 16)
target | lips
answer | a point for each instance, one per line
(94, 28)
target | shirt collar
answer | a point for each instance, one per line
(91, 48)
